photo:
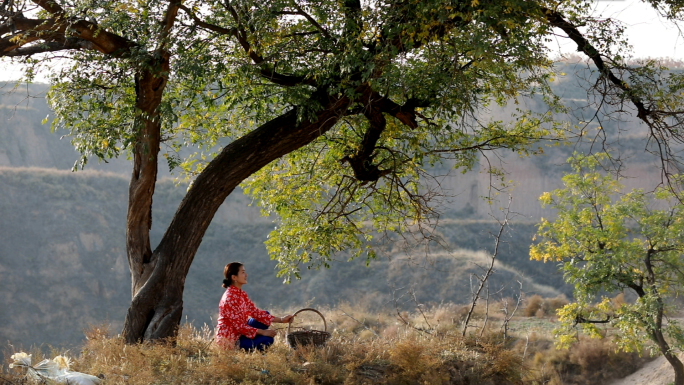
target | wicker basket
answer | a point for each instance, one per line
(307, 337)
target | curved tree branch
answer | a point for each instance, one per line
(583, 45)
(660, 131)
(267, 71)
(236, 162)
(311, 20)
(53, 46)
(51, 30)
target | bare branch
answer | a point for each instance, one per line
(485, 277)
(507, 316)
(363, 324)
(401, 316)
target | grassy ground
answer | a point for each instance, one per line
(424, 347)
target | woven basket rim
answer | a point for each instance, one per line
(303, 332)
(307, 337)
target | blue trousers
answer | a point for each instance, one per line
(259, 342)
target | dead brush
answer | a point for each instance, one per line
(539, 307)
(416, 359)
(589, 361)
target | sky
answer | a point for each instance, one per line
(650, 35)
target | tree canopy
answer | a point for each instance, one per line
(412, 94)
(328, 112)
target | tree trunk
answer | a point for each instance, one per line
(149, 88)
(659, 338)
(657, 331)
(671, 357)
(677, 366)
(157, 304)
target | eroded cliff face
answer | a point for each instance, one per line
(25, 141)
(61, 257)
(528, 178)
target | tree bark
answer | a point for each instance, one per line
(672, 358)
(149, 87)
(657, 333)
(677, 366)
(157, 303)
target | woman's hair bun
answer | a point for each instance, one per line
(229, 271)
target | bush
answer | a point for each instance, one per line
(539, 307)
(588, 362)
(552, 304)
(533, 305)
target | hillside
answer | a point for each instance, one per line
(62, 237)
(63, 262)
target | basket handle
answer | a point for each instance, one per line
(325, 325)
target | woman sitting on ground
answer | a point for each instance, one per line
(240, 323)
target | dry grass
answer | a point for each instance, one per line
(588, 362)
(365, 348)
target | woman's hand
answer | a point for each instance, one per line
(286, 319)
(267, 332)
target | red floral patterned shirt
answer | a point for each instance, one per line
(235, 309)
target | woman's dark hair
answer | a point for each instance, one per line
(230, 270)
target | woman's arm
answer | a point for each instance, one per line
(267, 332)
(284, 319)
(264, 316)
(260, 315)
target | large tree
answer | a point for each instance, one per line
(607, 241)
(328, 111)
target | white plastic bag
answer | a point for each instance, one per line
(56, 369)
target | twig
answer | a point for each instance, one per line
(360, 323)
(508, 317)
(527, 343)
(420, 309)
(484, 277)
(401, 317)
(486, 316)
(208, 343)
(311, 20)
